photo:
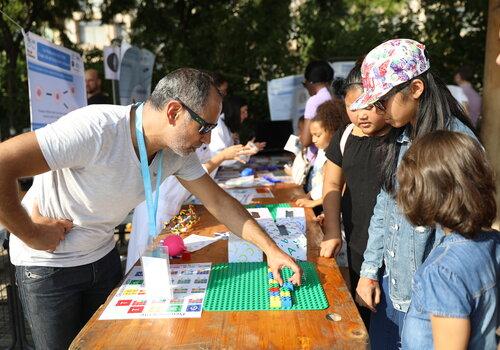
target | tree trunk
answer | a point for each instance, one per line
(490, 128)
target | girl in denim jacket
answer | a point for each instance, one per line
(444, 179)
(397, 80)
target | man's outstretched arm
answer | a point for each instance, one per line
(231, 213)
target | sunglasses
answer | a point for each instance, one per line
(381, 103)
(205, 127)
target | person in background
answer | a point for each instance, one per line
(458, 94)
(93, 84)
(463, 79)
(354, 158)
(445, 180)
(318, 78)
(397, 79)
(234, 112)
(220, 82)
(329, 118)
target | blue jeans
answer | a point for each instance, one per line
(387, 323)
(58, 301)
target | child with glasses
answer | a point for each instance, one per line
(354, 157)
(445, 180)
(398, 80)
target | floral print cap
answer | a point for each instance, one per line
(388, 65)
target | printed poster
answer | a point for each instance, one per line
(136, 72)
(287, 97)
(56, 80)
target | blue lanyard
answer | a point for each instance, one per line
(146, 176)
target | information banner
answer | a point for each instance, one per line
(287, 97)
(136, 72)
(342, 68)
(112, 62)
(56, 80)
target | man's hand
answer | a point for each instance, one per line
(278, 259)
(330, 247)
(368, 291)
(48, 233)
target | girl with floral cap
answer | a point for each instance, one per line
(397, 80)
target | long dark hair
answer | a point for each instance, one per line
(436, 110)
(231, 108)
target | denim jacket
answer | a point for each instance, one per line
(459, 279)
(397, 243)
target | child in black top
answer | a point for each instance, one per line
(354, 158)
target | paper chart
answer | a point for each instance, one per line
(189, 284)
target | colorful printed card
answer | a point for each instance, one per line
(189, 284)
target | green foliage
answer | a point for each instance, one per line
(31, 15)
(249, 41)
(246, 40)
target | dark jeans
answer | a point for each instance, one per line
(355, 259)
(58, 301)
(387, 323)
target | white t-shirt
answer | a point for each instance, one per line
(95, 182)
(317, 175)
(221, 137)
(172, 195)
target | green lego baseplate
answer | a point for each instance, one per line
(244, 287)
(272, 207)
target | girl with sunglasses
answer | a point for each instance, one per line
(397, 80)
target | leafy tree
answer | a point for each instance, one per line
(250, 41)
(245, 40)
(452, 30)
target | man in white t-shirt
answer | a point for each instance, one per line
(62, 233)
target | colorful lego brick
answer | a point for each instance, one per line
(288, 285)
(286, 303)
(275, 302)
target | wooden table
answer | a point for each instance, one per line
(244, 329)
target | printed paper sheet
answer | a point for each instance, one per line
(189, 283)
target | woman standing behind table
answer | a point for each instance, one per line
(234, 112)
(318, 78)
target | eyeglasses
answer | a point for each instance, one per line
(205, 127)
